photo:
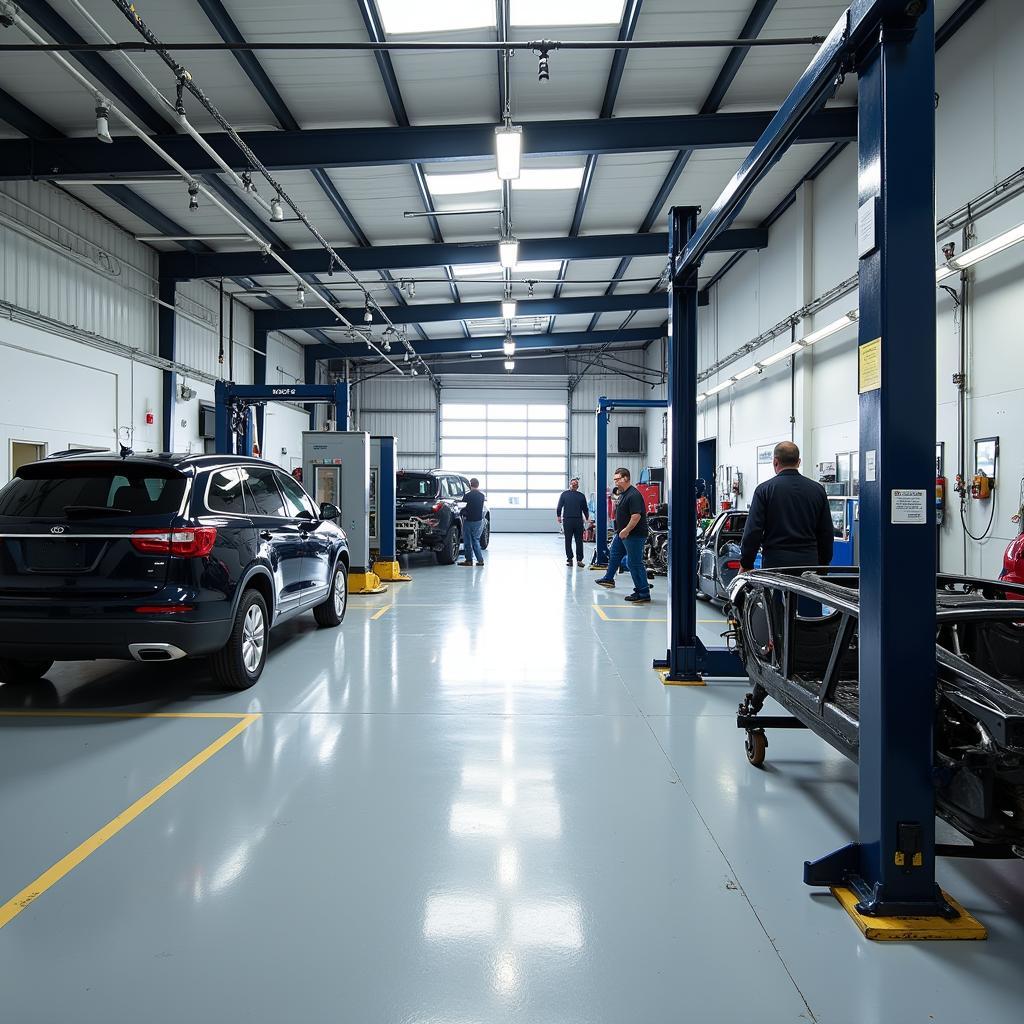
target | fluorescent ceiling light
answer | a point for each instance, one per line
(720, 387)
(508, 147)
(402, 17)
(508, 252)
(565, 12)
(538, 267)
(837, 325)
(701, 396)
(748, 372)
(944, 271)
(540, 179)
(509, 347)
(784, 354)
(460, 184)
(510, 365)
(977, 253)
(508, 308)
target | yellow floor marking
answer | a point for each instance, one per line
(600, 611)
(663, 673)
(57, 713)
(14, 906)
(382, 611)
(904, 929)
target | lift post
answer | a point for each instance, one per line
(382, 510)
(890, 871)
(604, 407)
(230, 397)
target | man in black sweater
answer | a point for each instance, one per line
(789, 518)
(573, 512)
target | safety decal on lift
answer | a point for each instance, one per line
(909, 506)
(870, 365)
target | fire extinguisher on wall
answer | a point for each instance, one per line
(940, 500)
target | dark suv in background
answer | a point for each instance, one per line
(428, 513)
(160, 557)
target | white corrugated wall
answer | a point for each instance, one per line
(405, 407)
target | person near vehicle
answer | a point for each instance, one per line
(574, 514)
(789, 518)
(630, 535)
(472, 523)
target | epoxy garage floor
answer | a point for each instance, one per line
(475, 802)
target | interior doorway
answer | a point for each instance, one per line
(24, 452)
(707, 460)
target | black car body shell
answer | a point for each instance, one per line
(809, 664)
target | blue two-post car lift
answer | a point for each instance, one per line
(233, 432)
(889, 44)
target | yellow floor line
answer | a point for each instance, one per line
(14, 906)
(59, 713)
(600, 611)
(382, 611)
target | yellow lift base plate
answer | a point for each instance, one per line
(391, 572)
(964, 928)
(663, 674)
(365, 583)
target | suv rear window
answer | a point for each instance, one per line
(62, 490)
(416, 485)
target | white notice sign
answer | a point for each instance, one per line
(869, 465)
(909, 507)
(866, 227)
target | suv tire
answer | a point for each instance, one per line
(332, 611)
(239, 663)
(449, 550)
(14, 671)
(485, 537)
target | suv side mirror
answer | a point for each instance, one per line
(330, 512)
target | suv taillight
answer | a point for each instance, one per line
(185, 541)
(439, 506)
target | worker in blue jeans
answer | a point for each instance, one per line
(629, 539)
(472, 523)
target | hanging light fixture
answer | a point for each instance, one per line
(508, 251)
(509, 346)
(193, 197)
(300, 294)
(508, 145)
(508, 308)
(103, 120)
(277, 215)
(510, 365)
(367, 315)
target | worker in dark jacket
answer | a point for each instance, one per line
(573, 513)
(789, 518)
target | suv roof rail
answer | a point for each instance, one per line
(78, 451)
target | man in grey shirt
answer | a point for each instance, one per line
(573, 513)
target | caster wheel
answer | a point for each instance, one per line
(756, 746)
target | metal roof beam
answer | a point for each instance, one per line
(442, 312)
(376, 147)
(528, 342)
(254, 263)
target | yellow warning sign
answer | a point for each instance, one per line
(870, 364)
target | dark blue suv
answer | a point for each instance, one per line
(160, 557)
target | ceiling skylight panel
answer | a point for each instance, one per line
(463, 184)
(408, 17)
(548, 178)
(566, 12)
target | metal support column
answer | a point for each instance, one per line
(687, 659)
(891, 869)
(165, 319)
(604, 407)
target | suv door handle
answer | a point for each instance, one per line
(266, 535)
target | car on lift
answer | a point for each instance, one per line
(809, 663)
(161, 557)
(428, 513)
(718, 555)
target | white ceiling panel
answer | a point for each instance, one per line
(320, 89)
(622, 191)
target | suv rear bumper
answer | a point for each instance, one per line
(87, 639)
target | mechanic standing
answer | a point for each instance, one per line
(472, 523)
(573, 513)
(789, 518)
(629, 539)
